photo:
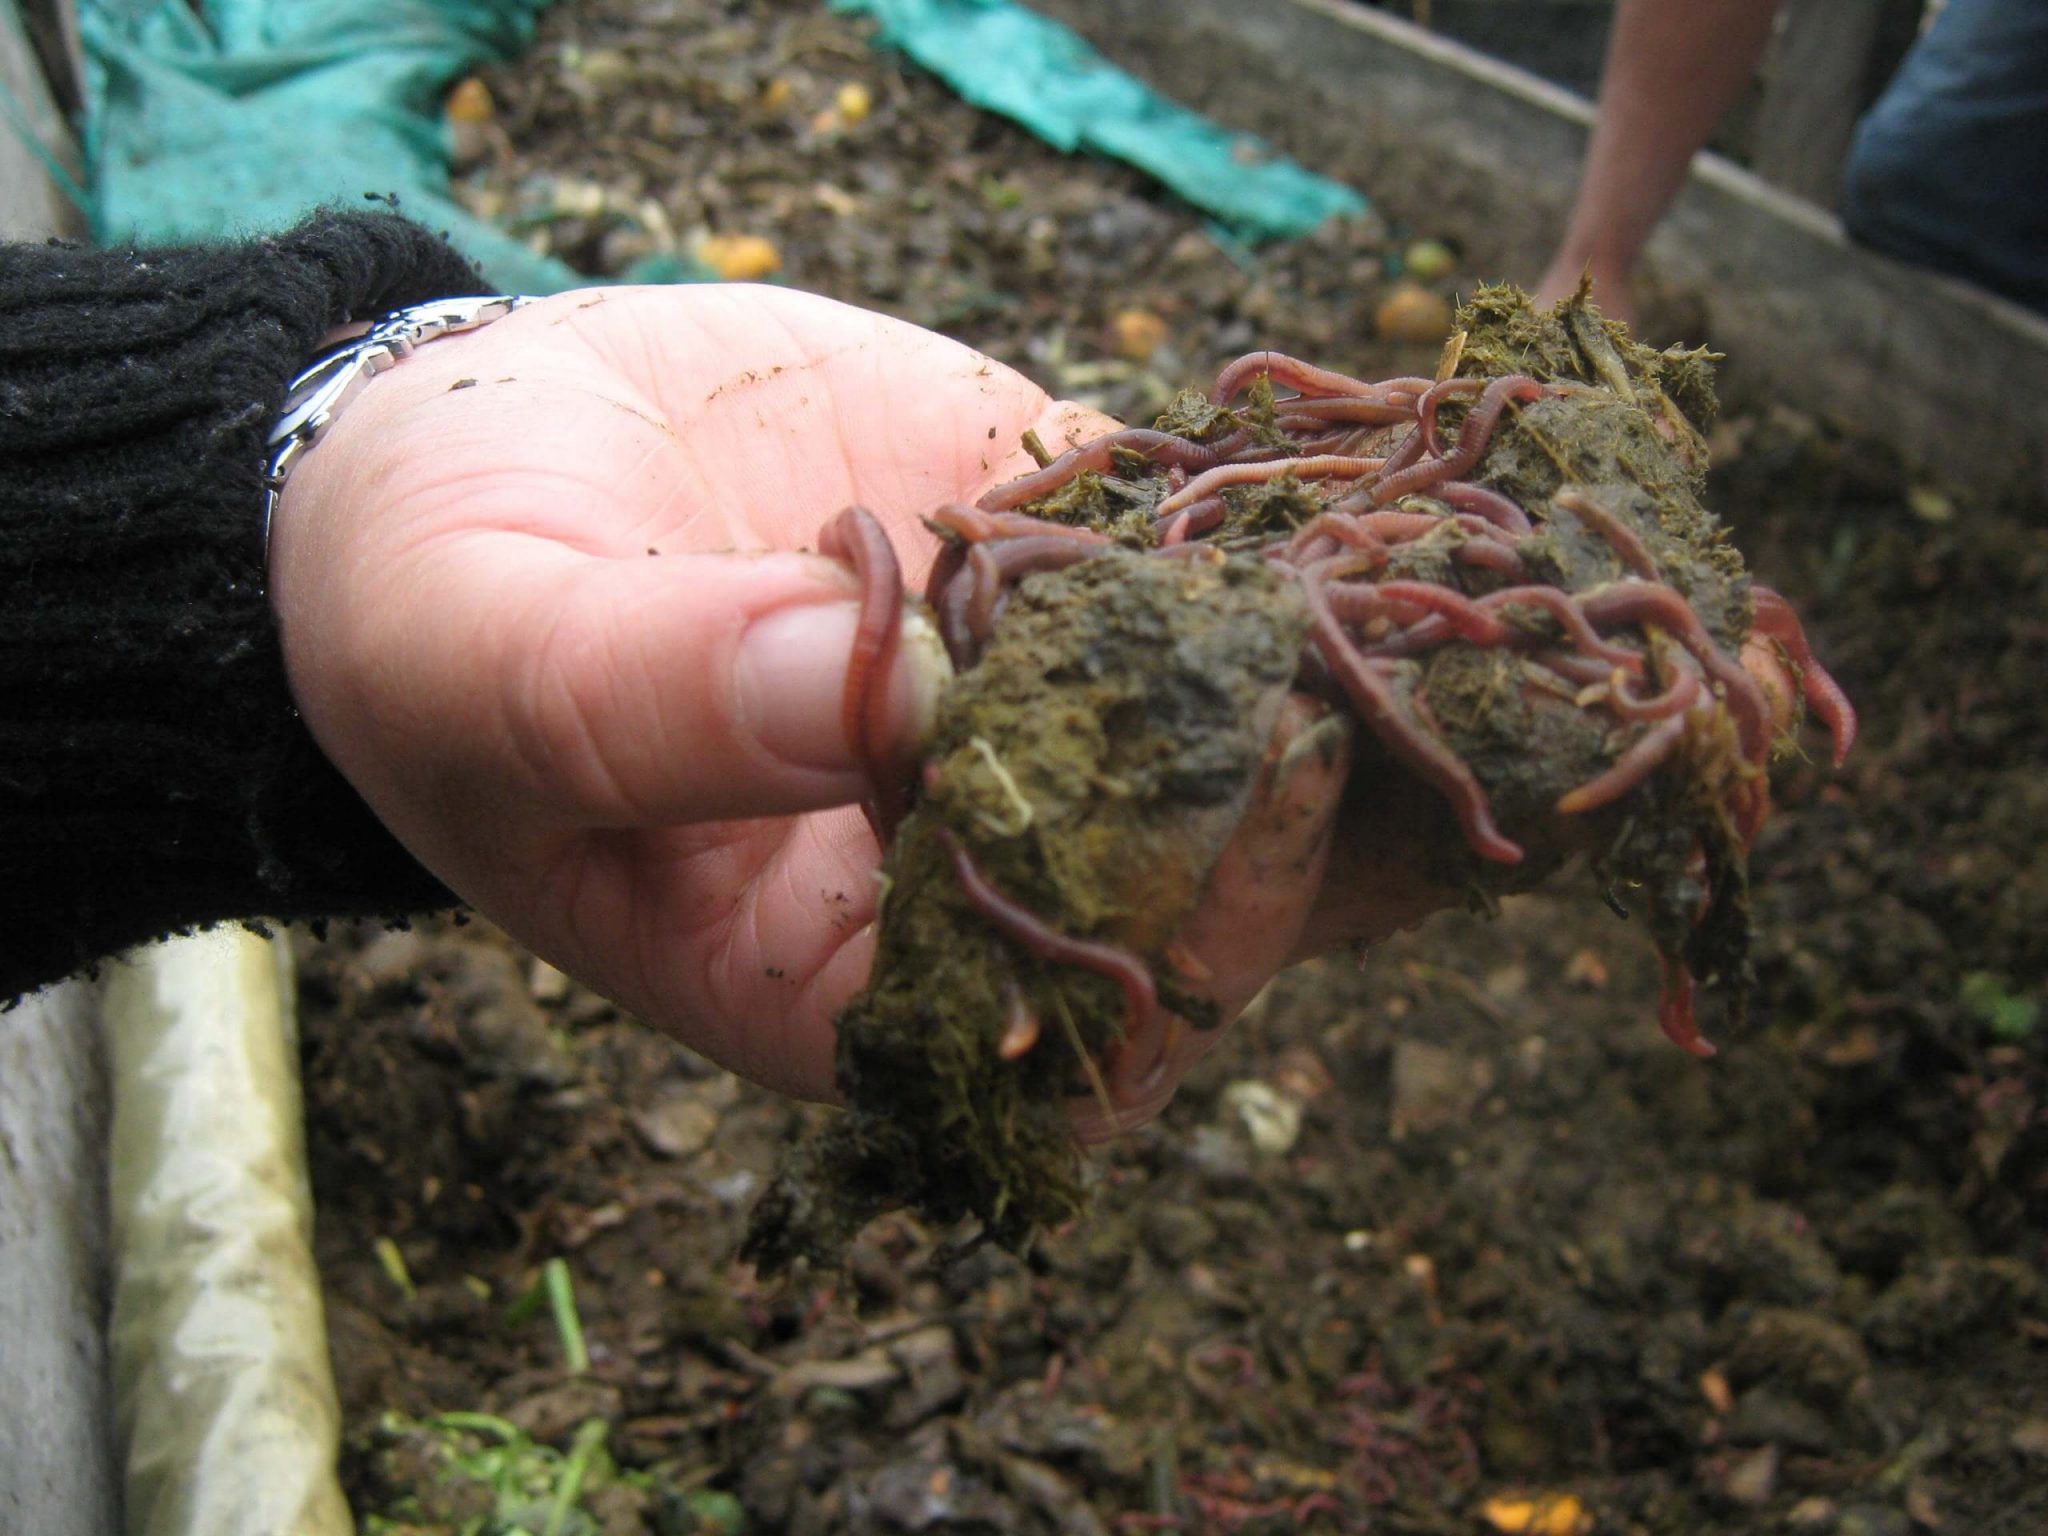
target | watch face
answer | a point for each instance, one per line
(309, 391)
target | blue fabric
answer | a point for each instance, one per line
(1034, 71)
(1950, 169)
(240, 116)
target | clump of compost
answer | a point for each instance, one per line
(1503, 575)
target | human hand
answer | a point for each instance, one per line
(544, 602)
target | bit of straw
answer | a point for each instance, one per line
(392, 1262)
(561, 1294)
(1011, 792)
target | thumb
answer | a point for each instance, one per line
(699, 687)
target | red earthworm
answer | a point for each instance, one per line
(1473, 437)
(1204, 515)
(1337, 567)
(1577, 668)
(1365, 498)
(1644, 756)
(1634, 555)
(1246, 446)
(1683, 693)
(1158, 447)
(1503, 512)
(1316, 467)
(975, 525)
(1361, 410)
(1490, 555)
(1751, 807)
(1318, 547)
(993, 565)
(1340, 530)
(952, 557)
(1590, 672)
(962, 646)
(1024, 928)
(1434, 632)
(1371, 530)
(1375, 701)
(1775, 620)
(1345, 442)
(1289, 372)
(1568, 613)
(1128, 1079)
(1471, 622)
(1478, 530)
(1242, 445)
(1434, 397)
(856, 538)
(1674, 1011)
(1648, 602)
(1192, 521)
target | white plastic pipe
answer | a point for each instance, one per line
(224, 1398)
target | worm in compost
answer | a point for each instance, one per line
(1630, 550)
(1634, 765)
(857, 539)
(1775, 620)
(1098, 457)
(1633, 648)
(1374, 699)
(1024, 928)
(1319, 467)
(1473, 437)
(1295, 374)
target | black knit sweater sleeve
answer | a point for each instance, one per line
(154, 775)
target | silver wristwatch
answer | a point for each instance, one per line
(321, 392)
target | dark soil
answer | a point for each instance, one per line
(1456, 1223)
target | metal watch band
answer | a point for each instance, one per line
(321, 392)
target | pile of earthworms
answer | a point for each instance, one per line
(1632, 647)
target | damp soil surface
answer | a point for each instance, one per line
(1426, 1235)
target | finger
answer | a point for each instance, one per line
(755, 980)
(620, 693)
(1253, 909)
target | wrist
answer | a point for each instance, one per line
(351, 356)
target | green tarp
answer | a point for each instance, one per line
(240, 115)
(1009, 60)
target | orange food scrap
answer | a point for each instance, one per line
(1138, 333)
(470, 102)
(739, 258)
(853, 102)
(1715, 1389)
(1412, 313)
(1536, 1514)
(1586, 969)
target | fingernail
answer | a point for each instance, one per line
(790, 682)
